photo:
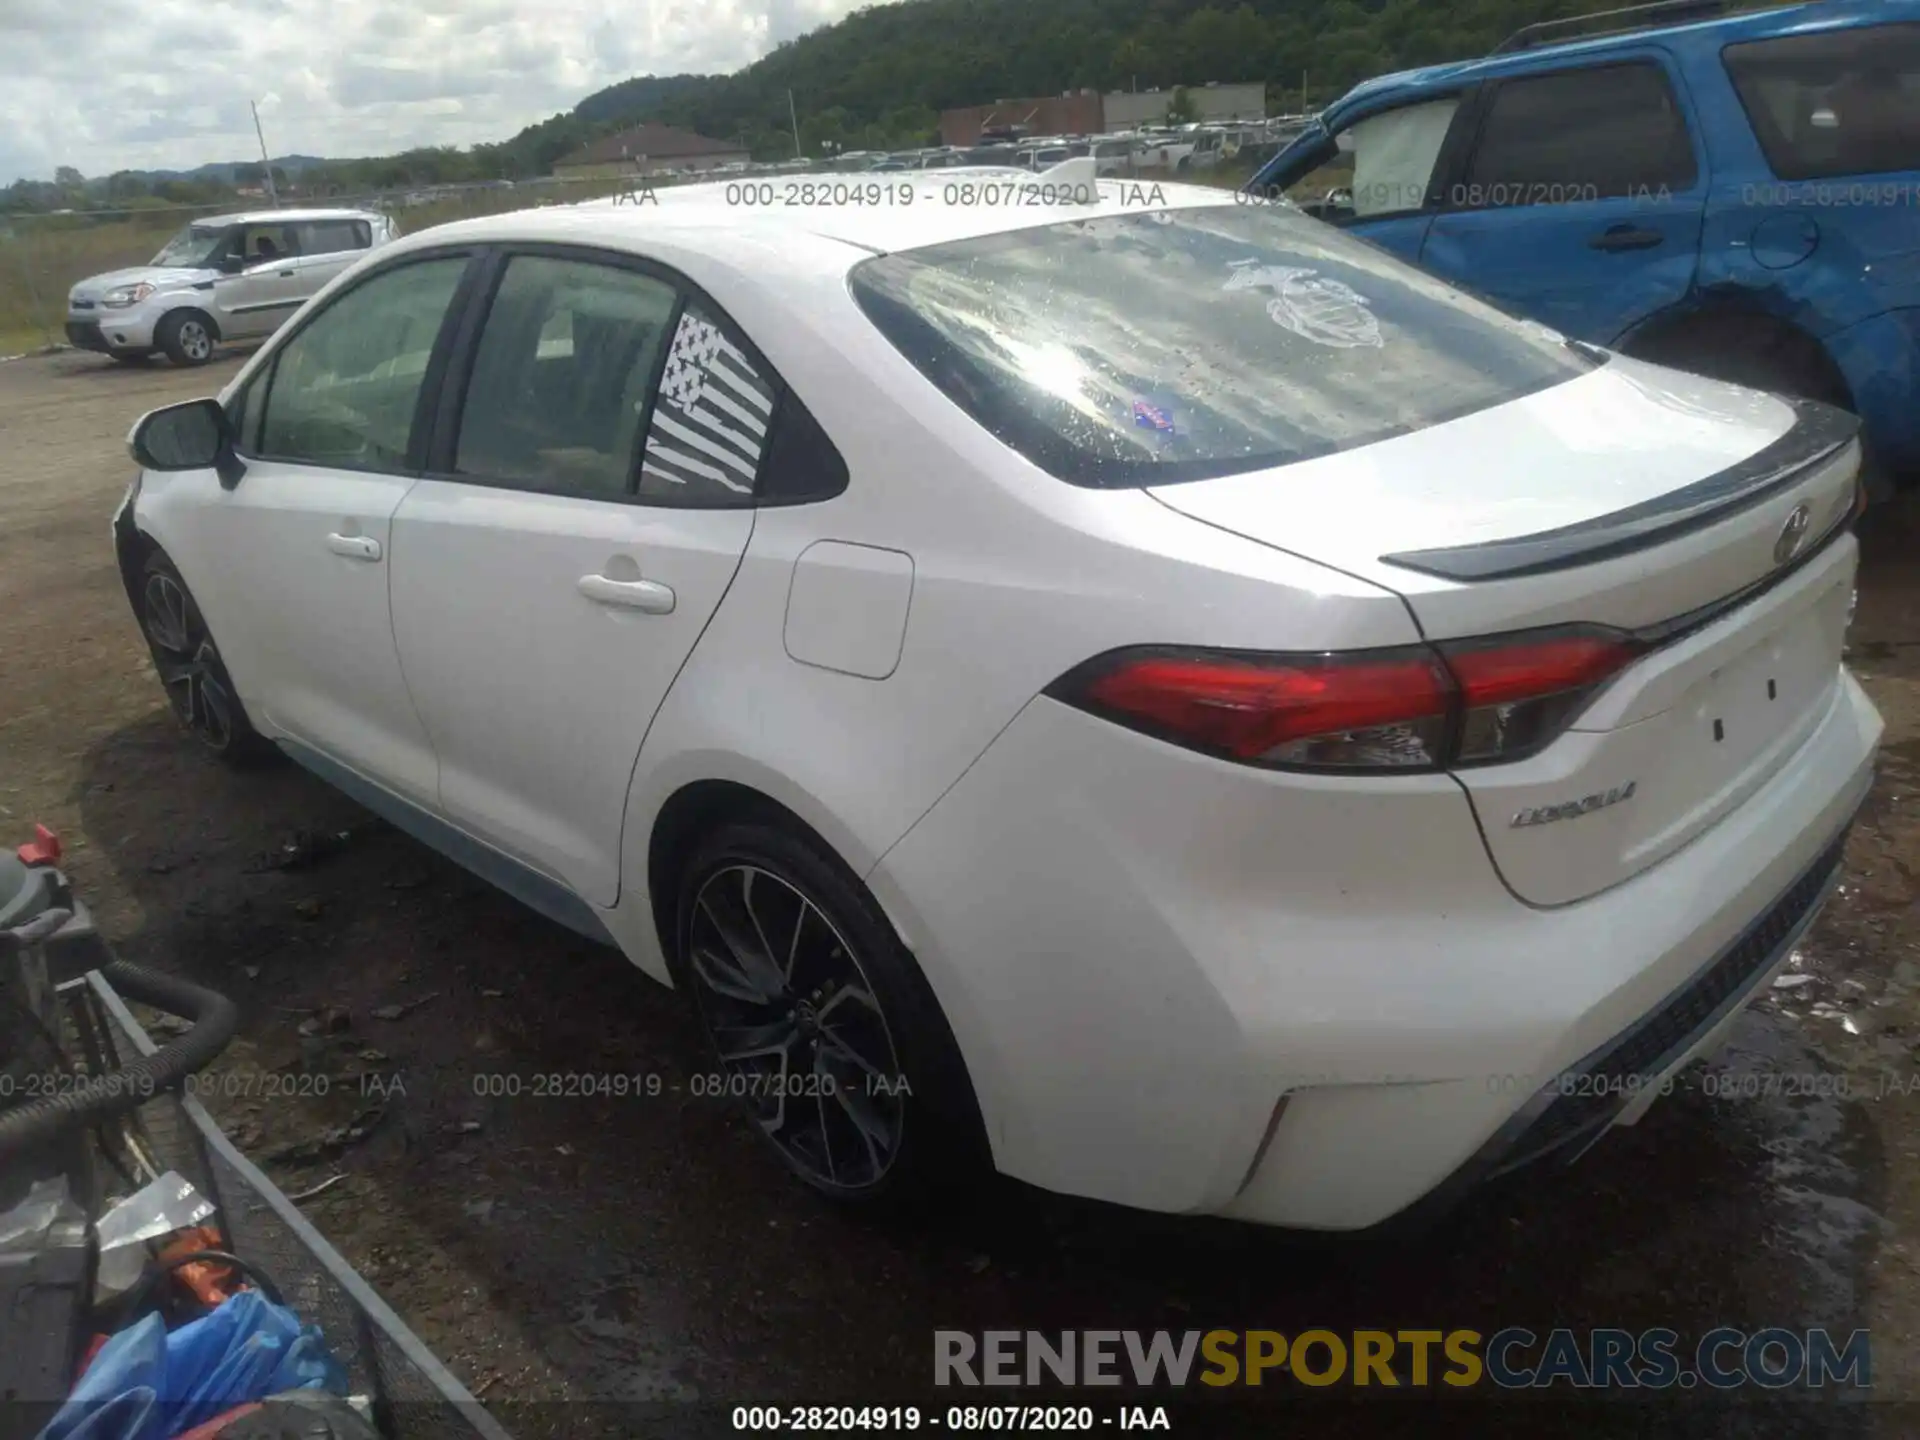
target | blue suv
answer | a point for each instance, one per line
(1736, 195)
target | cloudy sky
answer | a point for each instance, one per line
(107, 85)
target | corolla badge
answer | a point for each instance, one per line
(1793, 534)
(1326, 311)
(1573, 809)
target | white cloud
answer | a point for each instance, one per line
(108, 85)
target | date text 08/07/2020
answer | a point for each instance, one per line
(962, 1418)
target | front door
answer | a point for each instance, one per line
(292, 565)
(583, 522)
(1580, 204)
(265, 289)
(1378, 176)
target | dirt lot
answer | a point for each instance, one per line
(643, 1251)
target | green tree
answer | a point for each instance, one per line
(1181, 109)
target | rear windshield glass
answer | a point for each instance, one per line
(1837, 102)
(1180, 344)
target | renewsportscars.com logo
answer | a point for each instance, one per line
(1514, 1358)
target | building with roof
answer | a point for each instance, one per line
(648, 149)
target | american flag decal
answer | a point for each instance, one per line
(710, 420)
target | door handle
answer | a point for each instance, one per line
(1626, 237)
(286, 274)
(354, 547)
(648, 596)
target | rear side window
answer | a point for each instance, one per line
(710, 421)
(1608, 133)
(329, 237)
(1842, 102)
(562, 376)
(1146, 348)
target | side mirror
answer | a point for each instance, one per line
(232, 264)
(193, 436)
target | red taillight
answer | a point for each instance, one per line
(1518, 692)
(1373, 710)
(1416, 708)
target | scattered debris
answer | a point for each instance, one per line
(563, 1149)
(307, 908)
(306, 848)
(465, 1127)
(324, 1185)
(373, 1056)
(330, 1141)
(396, 1012)
(1791, 982)
(252, 972)
(493, 994)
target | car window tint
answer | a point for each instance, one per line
(1598, 134)
(345, 387)
(802, 462)
(561, 378)
(329, 237)
(269, 242)
(710, 423)
(1147, 348)
(1841, 102)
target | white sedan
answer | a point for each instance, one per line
(1170, 702)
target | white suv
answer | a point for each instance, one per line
(228, 277)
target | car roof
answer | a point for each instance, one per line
(943, 208)
(264, 217)
(1810, 15)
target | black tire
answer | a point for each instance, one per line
(1749, 350)
(194, 676)
(186, 336)
(899, 1128)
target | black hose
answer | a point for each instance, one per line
(103, 1097)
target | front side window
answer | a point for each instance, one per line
(1607, 133)
(1841, 102)
(259, 244)
(709, 426)
(1384, 165)
(1175, 345)
(344, 389)
(562, 378)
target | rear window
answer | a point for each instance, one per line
(1842, 102)
(1175, 345)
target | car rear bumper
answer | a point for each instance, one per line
(1144, 952)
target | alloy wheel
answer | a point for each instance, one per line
(195, 342)
(797, 1026)
(188, 663)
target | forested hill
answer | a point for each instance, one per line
(881, 76)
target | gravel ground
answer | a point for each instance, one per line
(642, 1251)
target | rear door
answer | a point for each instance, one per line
(589, 504)
(327, 247)
(1581, 200)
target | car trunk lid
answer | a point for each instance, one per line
(1698, 516)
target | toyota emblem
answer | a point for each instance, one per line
(1793, 534)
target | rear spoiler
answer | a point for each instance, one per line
(1820, 432)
